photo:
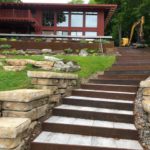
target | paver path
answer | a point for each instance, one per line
(99, 115)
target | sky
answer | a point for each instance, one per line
(49, 1)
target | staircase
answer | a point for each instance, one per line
(99, 115)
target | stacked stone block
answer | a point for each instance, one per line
(12, 133)
(60, 83)
(25, 103)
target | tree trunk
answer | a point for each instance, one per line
(120, 33)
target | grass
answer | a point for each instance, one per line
(89, 65)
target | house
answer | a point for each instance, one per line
(58, 19)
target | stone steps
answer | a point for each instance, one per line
(65, 141)
(116, 82)
(98, 102)
(109, 87)
(99, 115)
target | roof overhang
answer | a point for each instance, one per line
(108, 9)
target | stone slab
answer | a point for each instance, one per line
(32, 114)
(23, 95)
(12, 127)
(10, 143)
(40, 81)
(146, 91)
(17, 106)
(53, 89)
(51, 75)
(145, 83)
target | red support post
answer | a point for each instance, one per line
(101, 23)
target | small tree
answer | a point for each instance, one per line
(76, 2)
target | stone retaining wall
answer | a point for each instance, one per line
(142, 113)
(33, 105)
(60, 83)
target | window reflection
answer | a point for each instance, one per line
(90, 33)
(91, 19)
(63, 19)
(76, 19)
(48, 18)
(76, 33)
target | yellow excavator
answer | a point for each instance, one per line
(127, 41)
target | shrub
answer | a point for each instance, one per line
(92, 51)
(5, 46)
(3, 39)
(77, 51)
(13, 39)
(5, 52)
(83, 41)
(68, 51)
(38, 40)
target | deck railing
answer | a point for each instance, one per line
(15, 14)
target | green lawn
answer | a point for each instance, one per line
(89, 65)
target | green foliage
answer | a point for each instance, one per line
(5, 46)
(128, 12)
(76, 2)
(2, 1)
(68, 51)
(83, 41)
(38, 40)
(5, 52)
(92, 51)
(3, 39)
(13, 39)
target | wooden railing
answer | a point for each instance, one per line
(14, 13)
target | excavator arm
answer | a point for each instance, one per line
(140, 22)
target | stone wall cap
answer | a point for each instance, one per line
(24, 95)
(53, 75)
(12, 127)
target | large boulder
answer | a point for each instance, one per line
(45, 65)
(68, 67)
(51, 58)
(17, 62)
(46, 51)
(83, 53)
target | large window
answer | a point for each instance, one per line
(63, 19)
(91, 19)
(76, 19)
(48, 18)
